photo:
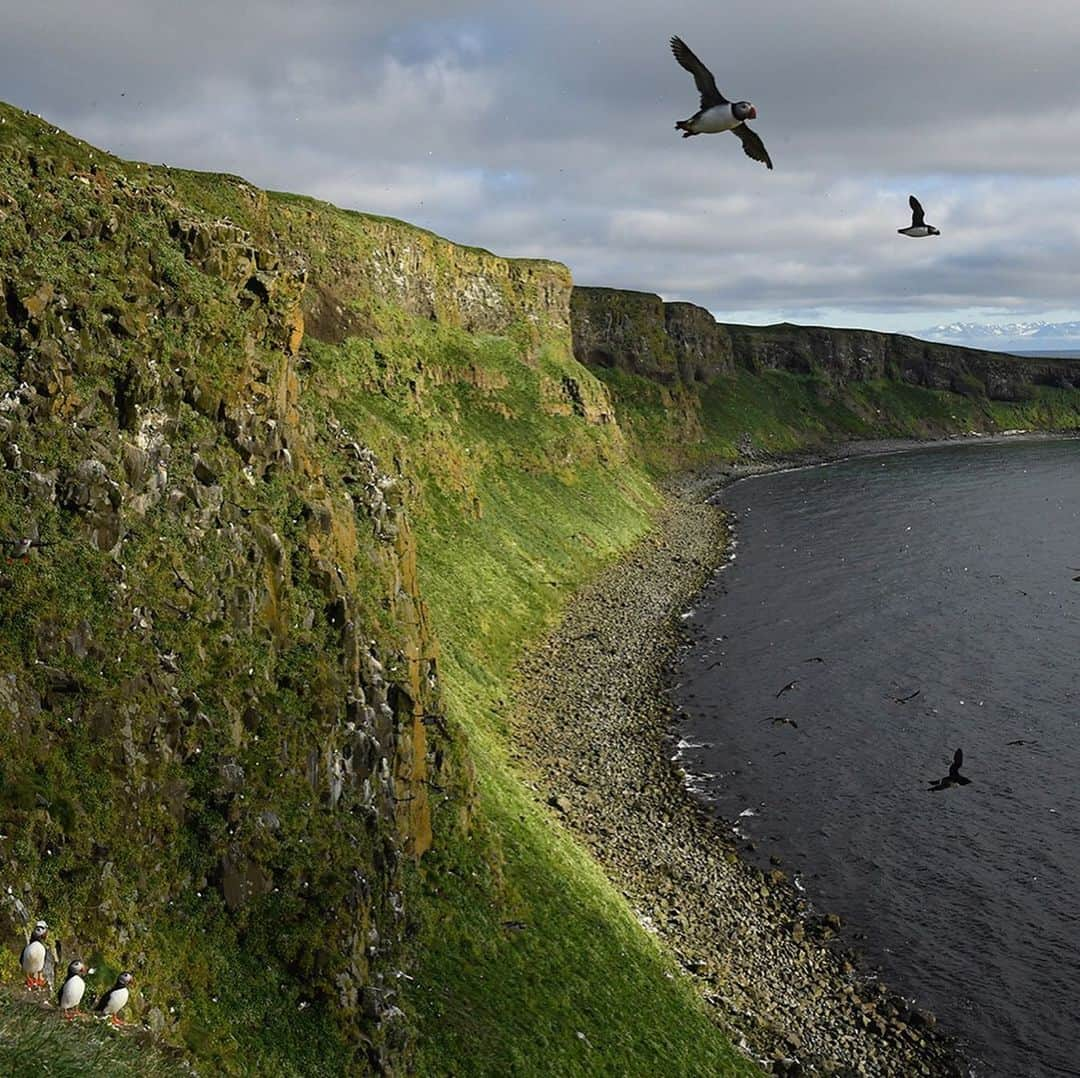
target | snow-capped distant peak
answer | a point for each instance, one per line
(1036, 334)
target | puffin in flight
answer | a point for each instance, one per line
(716, 112)
(32, 958)
(115, 999)
(953, 778)
(918, 227)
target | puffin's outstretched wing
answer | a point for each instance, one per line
(957, 763)
(752, 144)
(703, 77)
(917, 216)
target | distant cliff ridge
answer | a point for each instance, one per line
(680, 342)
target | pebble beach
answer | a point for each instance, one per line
(596, 721)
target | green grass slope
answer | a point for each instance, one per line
(784, 413)
(526, 959)
(195, 672)
(35, 1041)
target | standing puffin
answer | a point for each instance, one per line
(716, 112)
(71, 991)
(918, 227)
(115, 999)
(33, 956)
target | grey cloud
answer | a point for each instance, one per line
(547, 130)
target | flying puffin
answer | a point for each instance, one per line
(71, 991)
(953, 778)
(116, 998)
(716, 112)
(918, 227)
(33, 955)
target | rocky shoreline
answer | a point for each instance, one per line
(595, 719)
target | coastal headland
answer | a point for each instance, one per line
(311, 489)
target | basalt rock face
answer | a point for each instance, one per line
(679, 343)
(217, 676)
(852, 355)
(669, 343)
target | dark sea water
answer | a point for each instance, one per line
(943, 571)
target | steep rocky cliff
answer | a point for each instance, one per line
(222, 711)
(216, 672)
(697, 372)
(671, 342)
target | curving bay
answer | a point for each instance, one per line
(939, 578)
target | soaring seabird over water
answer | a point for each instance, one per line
(918, 227)
(716, 112)
(953, 778)
(71, 991)
(787, 688)
(33, 956)
(116, 998)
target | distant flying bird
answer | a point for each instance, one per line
(905, 699)
(918, 227)
(781, 720)
(953, 778)
(716, 112)
(814, 659)
(787, 688)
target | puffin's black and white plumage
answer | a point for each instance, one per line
(32, 958)
(113, 1001)
(716, 112)
(73, 989)
(918, 227)
(953, 778)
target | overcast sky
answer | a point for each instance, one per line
(546, 129)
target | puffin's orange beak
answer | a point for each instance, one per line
(752, 114)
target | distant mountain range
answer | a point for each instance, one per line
(1009, 337)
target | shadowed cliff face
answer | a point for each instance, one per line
(690, 389)
(669, 342)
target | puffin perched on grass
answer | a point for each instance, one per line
(716, 112)
(72, 990)
(32, 958)
(113, 1001)
(918, 227)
